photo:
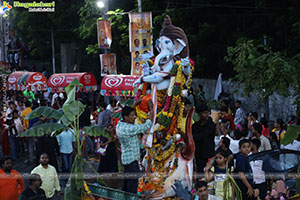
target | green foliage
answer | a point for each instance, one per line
(69, 88)
(92, 49)
(45, 111)
(72, 108)
(261, 70)
(291, 134)
(88, 17)
(44, 129)
(64, 120)
(75, 186)
(96, 131)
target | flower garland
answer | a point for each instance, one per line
(181, 109)
(140, 115)
(158, 157)
(172, 128)
(189, 81)
(161, 95)
(163, 172)
(173, 94)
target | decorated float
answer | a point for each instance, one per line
(169, 145)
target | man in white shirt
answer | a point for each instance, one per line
(239, 114)
(265, 143)
(50, 183)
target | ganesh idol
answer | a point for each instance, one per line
(169, 145)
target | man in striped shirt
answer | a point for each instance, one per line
(127, 133)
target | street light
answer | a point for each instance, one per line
(100, 4)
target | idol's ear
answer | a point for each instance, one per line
(179, 45)
(157, 45)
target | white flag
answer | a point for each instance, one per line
(218, 87)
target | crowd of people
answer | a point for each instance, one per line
(222, 147)
(43, 152)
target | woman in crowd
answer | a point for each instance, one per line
(107, 150)
(277, 133)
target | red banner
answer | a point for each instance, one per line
(118, 85)
(59, 81)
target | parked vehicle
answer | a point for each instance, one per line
(280, 164)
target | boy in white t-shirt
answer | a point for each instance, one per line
(259, 177)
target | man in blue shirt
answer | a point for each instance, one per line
(127, 133)
(104, 118)
(66, 141)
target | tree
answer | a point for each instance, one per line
(261, 70)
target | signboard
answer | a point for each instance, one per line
(140, 39)
(58, 82)
(118, 85)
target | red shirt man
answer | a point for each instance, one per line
(11, 182)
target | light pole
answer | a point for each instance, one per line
(140, 5)
(103, 4)
(53, 52)
(100, 4)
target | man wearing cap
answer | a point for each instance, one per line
(203, 133)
